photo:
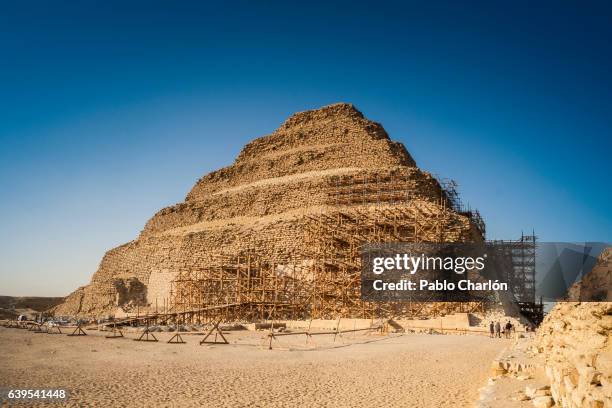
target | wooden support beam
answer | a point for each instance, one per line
(147, 335)
(218, 332)
(36, 328)
(54, 330)
(176, 339)
(78, 331)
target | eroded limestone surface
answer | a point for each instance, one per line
(576, 340)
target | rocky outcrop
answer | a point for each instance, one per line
(576, 341)
(330, 163)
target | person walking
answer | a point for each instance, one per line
(491, 330)
(508, 329)
(497, 329)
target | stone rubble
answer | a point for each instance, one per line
(575, 339)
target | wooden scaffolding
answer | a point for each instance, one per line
(321, 281)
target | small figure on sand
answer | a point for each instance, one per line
(497, 329)
(508, 329)
(492, 329)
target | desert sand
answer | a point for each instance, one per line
(400, 370)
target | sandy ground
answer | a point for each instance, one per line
(412, 370)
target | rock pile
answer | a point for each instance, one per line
(576, 340)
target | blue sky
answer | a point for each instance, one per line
(110, 111)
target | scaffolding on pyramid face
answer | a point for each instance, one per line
(321, 279)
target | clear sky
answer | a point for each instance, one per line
(111, 110)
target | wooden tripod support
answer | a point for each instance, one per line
(78, 331)
(176, 339)
(218, 332)
(36, 328)
(56, 329)
(147, 336)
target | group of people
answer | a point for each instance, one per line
(496, 330)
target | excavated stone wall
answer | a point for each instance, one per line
(318, 162)
(576, 340)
